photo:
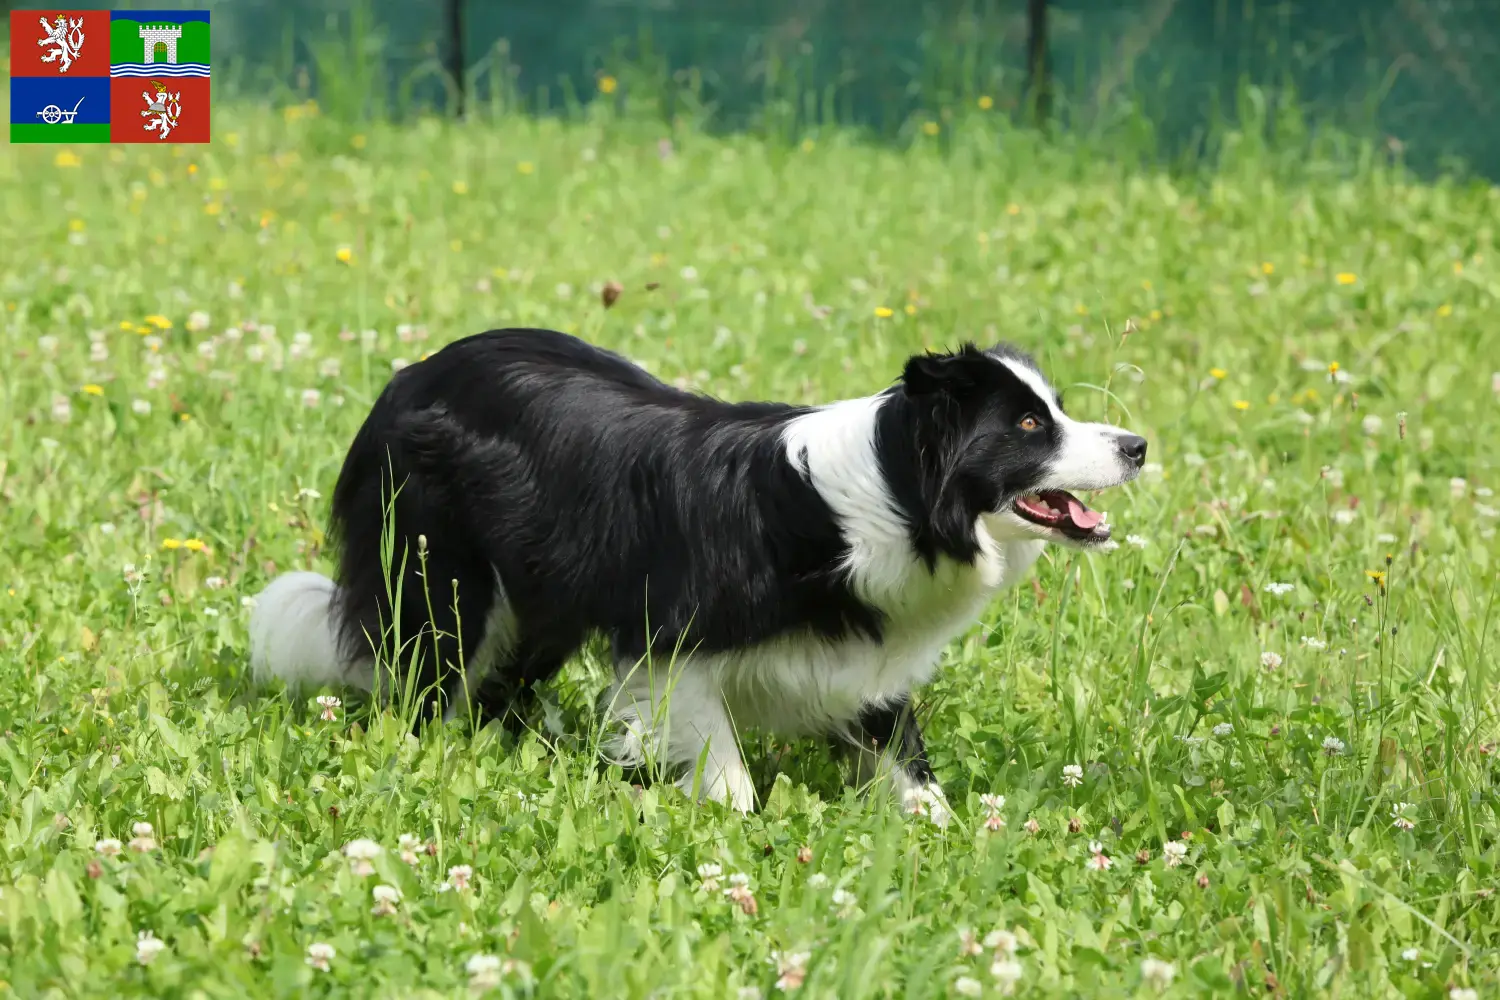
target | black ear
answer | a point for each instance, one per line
(956, 372)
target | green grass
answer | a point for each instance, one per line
(1206, 312)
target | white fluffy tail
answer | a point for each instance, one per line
(293, 635)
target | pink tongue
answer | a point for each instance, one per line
(1082, 516)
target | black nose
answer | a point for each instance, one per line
(1133, 448)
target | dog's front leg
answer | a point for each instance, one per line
(681, 721)
(888, 740)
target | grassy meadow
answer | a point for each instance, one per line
(1274, 701)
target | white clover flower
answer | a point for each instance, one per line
(1333, 746)
(1463, 993)
(1137, 541)
(1458, 487)
(791, 969)
(817, 880)
(1344, 516)
(459, 877)
(320, 956)
(311, 398)
(1313, 642)
(710, 874)
(386, 897)
(361, 854)
(1002, 942)
(1270, 660)
(330, 704)
(408, 845)
(1072, 775)
(1371, 425)
(1174, 853)
(1157, 974)
(1223, 729)
(1279, 589)
(967, 987)
(1399, 819)
(147, 947)
(1007, 973)
(144, 839)
(1411, 954)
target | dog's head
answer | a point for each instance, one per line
(995, 445)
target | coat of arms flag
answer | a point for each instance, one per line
(109, 76)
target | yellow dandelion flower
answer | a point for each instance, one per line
(93, 390)
(459, 187)
(884, 312)
(911, 310)
(266, 217)
(526, 167)
(344, 255)
(1218, 373)
(1242, 404)
(1458, 267)
(184, 417)
(125, 324)
(232, 138)
(171, 543)
(76, 226)
(608, 84)
(213, 208)
(67, 158)
(931, 128)
(1445, 310)
(1267, 268)
(1377, 575)
(1156, 314)
(192, 169)
(1081, 309)
(986, 102)
(1273, 398)
(1012, 209)
(1333, 367)
(194, 545)
(160, 322)
(358, 140)
(1346, 277)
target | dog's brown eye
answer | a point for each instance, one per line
(1030, 423)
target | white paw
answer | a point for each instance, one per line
(926, 800)
(729, 785)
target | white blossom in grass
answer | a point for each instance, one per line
(1463, 993)
(311, 398)
(817, 880)
(1371, 425)
(207, 350)
(791, 969)
(1344, 517)
(140, 407)
(459, 877)
(1072, 775)
(740, 893)
(1223, 729)
(408, 845)
(147, 947)
(1279, 589)
(215, 583)
(1174, 853)
(329, 704)
(1157, 974)
(484, 972)
(1270, 660)
(1411, 954)
(968, 943)
(1099, 861)
(710, 873)
(362, 854)
(1313, 642)
(109, 847)
(965, 986)
(1002, 942)
(846, 903)
(329, 368)
(1007, 975)
(993, 821)
(320, 956)
(197, 321)
(386, 897)
(144, 839)
(47, 345)
(62, 409)
(156, 377)
(1137, 541)
(98, 352)
(1332, 746)
(1399, 818)
(399, 363)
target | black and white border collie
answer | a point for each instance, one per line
(792, 568)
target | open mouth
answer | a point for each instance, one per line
(1063, 512)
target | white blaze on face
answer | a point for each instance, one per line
(1088, 455)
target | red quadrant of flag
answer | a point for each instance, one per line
(85, 51)
(178, 103)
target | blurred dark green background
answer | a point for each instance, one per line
(1419, 78)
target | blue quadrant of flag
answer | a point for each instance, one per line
(82, 100)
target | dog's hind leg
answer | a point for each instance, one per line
(887, 740)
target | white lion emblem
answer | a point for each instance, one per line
(66, 37)
(166, 107)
